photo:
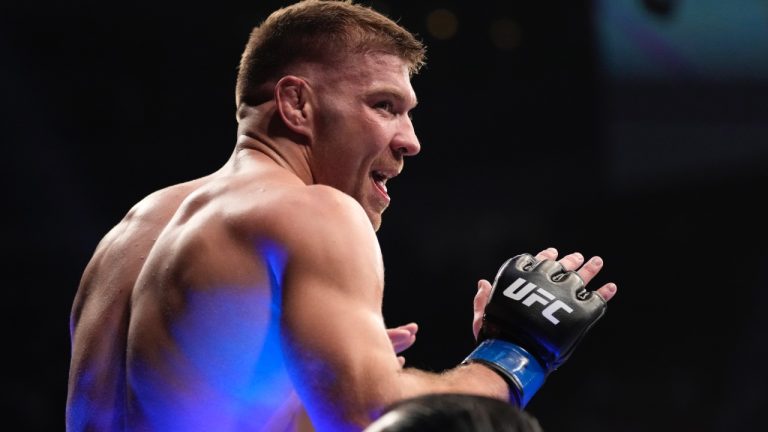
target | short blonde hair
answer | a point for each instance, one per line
(321, 31)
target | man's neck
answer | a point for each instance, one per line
(260, 129)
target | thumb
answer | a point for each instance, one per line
(478, 305)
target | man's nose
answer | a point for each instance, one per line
(405, 142)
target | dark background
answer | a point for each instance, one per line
(636, 130)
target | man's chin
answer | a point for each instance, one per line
(375, 219)
(376, 222)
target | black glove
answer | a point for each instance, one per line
(536, 315)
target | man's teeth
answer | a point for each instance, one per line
(381, 180)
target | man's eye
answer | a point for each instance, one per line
(386, 106)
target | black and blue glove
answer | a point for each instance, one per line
(536, 315)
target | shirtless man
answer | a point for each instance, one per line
(238, 300)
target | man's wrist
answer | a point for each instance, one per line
(524, 374)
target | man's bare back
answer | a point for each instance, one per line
(162, 334)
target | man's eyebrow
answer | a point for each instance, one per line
(395, 94)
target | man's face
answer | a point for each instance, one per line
(364, 129)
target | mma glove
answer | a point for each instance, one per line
(536, 315)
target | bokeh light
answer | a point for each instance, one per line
(442, 24)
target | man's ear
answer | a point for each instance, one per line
(291, 95)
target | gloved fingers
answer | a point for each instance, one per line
(590, 269)
(522, 262)
(572, 261)
(548, 265)
(567, 270)
(607, 291)
(478, 305)
(549, 253)
(550, 268)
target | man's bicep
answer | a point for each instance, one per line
(337, 350)
(334, 339)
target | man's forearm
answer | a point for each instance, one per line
(471, 378)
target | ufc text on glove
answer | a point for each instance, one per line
(536, 315)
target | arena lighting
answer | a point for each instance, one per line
(701, 41)
(228, 310)
(442, 24)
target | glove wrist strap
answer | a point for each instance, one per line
(518, 367)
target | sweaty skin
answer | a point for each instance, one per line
(238, 300)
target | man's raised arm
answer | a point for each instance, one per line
(337, 351)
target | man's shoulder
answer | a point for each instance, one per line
(148, 216)
(318, 228)
(304, 213)
(321, 201)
